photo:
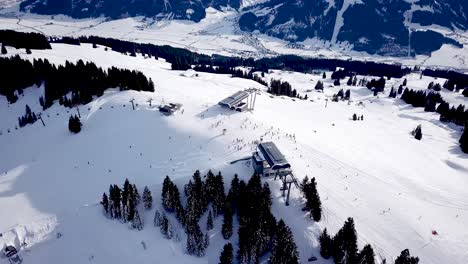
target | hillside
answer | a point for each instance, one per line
(397, 189)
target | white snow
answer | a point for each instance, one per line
(397, 189)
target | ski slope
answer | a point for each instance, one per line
(397, 189)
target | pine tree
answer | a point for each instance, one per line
(284, 250)
(349, 241)
(28, 51)
(157, 220)
(324, 76)
(4, 50)
(336, 82)
(464, 140)
(209, 222)
(406, 258)
(147, 198)
(350, 81)
(136, 196)
(347, 95)
(226, 256)
(319, 86)
(136, 221)
(105, 203)
(74, 124)
(366, 256)
(164, 225)
(196, 244)
(226, 228)
(465, 92)
(405, 82)
(313, 202)
(326, 244)
(417, 132)
(354, 117)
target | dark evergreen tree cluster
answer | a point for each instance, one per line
(406, 258)
(313, 203)
(341, 74)
(121, 203)
(24, 40)
(465, 92)
(233, 71)
(319, 85)
(378, 86)
(434, 86)
(170, 198)
(74, 124)
(227, 256)
(257, 225)
(429, 101)
(284, 249)
(83, 80)
(343, 246)
(28, 118)
(214, 191)
(454, 79)
(278, 87)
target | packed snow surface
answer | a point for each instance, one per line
(397, 189)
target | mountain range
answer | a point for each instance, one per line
(386, 27)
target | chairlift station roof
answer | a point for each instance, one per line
(273, 156)
(234, 99)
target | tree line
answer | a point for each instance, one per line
(259, 232)
(23, 40)
(82, 80)
(233, 71)
(182, 58)
(433, 102)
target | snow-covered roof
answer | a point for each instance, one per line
(273, 156)
(234, 99)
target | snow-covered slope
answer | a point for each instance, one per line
(397, 189)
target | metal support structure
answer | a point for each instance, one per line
(251, 99)
(133, 104)
(149, 101)
(78, 109)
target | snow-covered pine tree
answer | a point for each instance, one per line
(226, 228)
(157, 218)
(366, 256)
(164, 225)
(166, 196)
(226, 256)
(136, 195)
(284, 250)
(406, 258)
(195, 240)
(209, 221)
(136, 221)
(105, 204)
(147, 198)
(326, 245)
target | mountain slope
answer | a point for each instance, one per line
(397, 189)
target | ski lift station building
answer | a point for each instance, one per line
(236, 101)
(269, 161)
